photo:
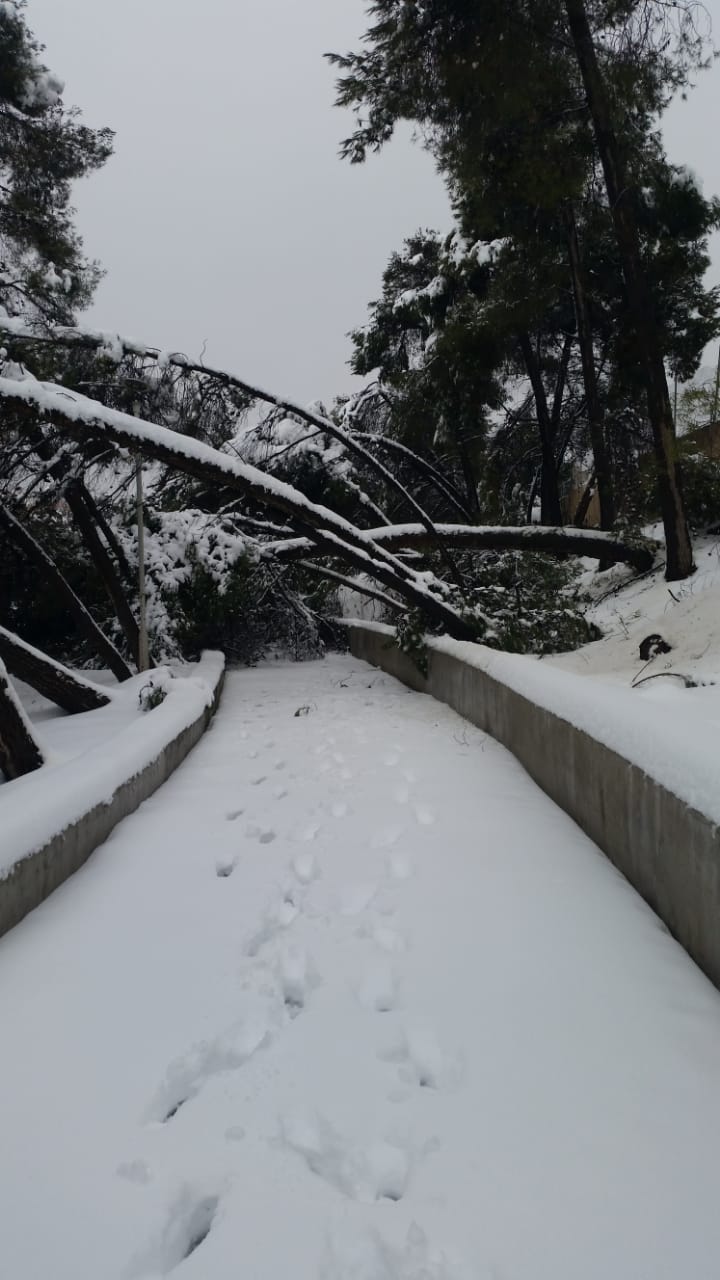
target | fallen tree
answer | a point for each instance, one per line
(51, 679)
(81, 417)
(86, 624)
(592, 543)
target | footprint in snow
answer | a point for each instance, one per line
(186, 1076)
(305, 867)
(365, 1255)
(234, 814)
(379, 1171)
(223, 869)
(265, 835)
(136, 1171)
(188, 1226)
(385, 937)
(355, 898)
(387, 837)
(296, 977)
(256, 782)
(424, 815)
(399, 866)
(377, 988)
(279, 917)
(421, 1060)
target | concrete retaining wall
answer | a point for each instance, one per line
(32, 879)
(667, 850)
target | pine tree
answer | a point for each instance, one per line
(44, 148)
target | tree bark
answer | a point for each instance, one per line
(107, 532)
(51, 679)
(596, 418)
(25, 543)
(583, 505)
(19, 751)
(640, 302)
(550, 508)
(106, 569)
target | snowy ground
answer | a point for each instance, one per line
(686, 614)
(350, 999)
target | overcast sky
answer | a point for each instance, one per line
(225, 216)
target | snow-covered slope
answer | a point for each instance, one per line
(686, 614)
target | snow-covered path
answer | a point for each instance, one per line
(350, 999)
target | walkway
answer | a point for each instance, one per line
(350, 999)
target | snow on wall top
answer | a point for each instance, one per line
(680, 754)
(38, 806)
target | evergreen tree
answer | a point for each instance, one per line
(44, 148)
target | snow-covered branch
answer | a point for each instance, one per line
(81, 416)
(592, 543)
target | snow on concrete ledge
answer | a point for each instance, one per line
(645, 789)
(53, 819)
(682, 755)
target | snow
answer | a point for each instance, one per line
(91, 754)
(50, 398)
(350, 999)
(683, 757)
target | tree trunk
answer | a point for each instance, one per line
(103, 647)
(108, 534)
(471, 537)
(583, 507)
(468, 471)
(106, 569)
(596, 423)
(640, 302)
(19, 752)
(86, 418)
(550, 508)
(49, 678)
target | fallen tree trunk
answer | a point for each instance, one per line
(20, 753)
(51, 679)
(354, 584)
(80, 416)
(75, 498)
(592, 543)
(95, 341)
(25, 543)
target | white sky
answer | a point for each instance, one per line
(225, 215)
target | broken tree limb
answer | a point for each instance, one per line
(50, 678)
(30, 548)
(20, 752)
(354, 584)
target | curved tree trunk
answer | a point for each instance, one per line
(82, 417)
